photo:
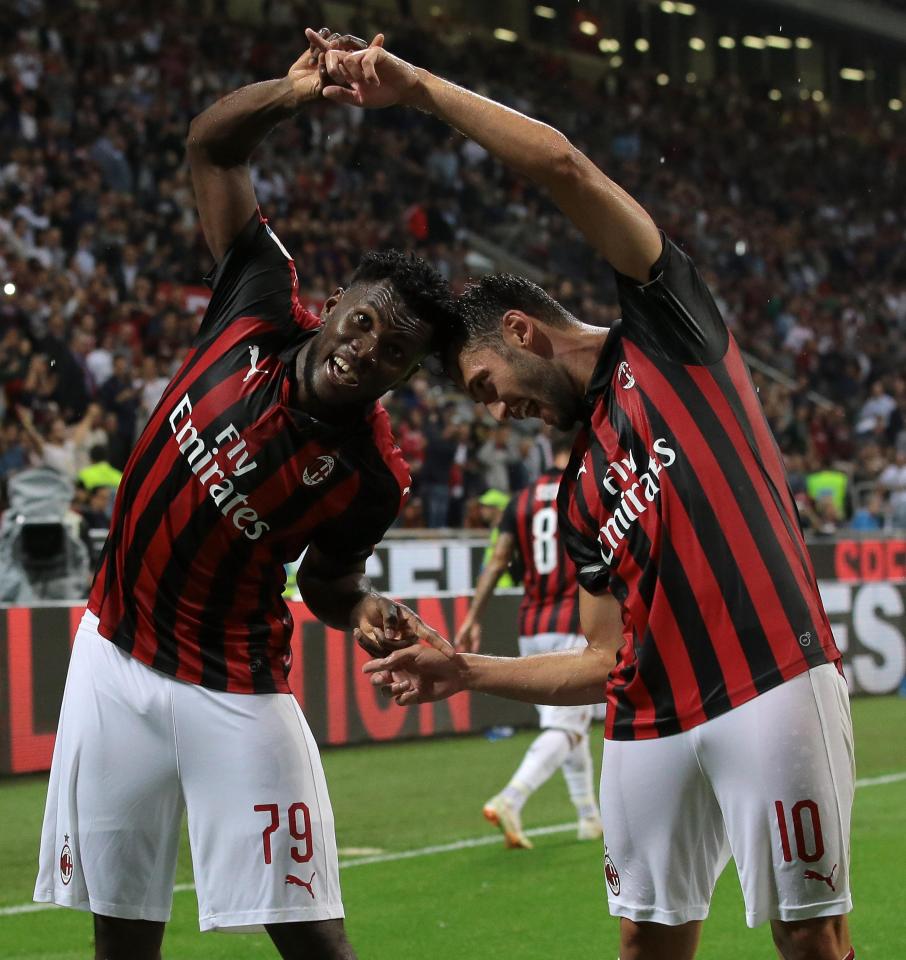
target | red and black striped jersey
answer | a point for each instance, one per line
(551, 600)
(229, 480)
(676, 501)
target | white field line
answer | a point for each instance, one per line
(484, 841)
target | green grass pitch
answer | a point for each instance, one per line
(480, 901)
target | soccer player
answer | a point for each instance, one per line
(728, 728)
(268, 440)
(528, 540)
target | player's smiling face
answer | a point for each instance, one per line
(517, 384)
(368, 343)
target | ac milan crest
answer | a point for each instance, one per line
(318, 470)
(66, 861)
(624, 375)
(611, 875)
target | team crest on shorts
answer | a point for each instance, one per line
(66, 861)
(318, 470)
(611, 875)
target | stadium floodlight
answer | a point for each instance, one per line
(668, 6)
(778, 43)
(804, 94)
(691, 77)
(662, 79)
(436, 11)
(726, 43)
(608, 45)
(696, 43)
(546, 13)
(755, 43)
(686, 9)
(817, 95)
(642, 45)
(508, 36)
(9, 288)
(852, 73)
(775, 94)
(617, 62)
(588, 27)
(741, 248)
(803, 43)
(895, 104)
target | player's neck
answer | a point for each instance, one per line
(578, 349)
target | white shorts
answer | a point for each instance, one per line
(134, 747)
(571, 719)
(770, 783)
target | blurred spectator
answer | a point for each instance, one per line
(496, 457)
(870, 515)
(59, 446)
(99, 472)
(830, 487)
(893, 481)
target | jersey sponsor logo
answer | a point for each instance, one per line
(625, 377)
(611, 875)
(211, 472)
(66, 861)
(254, 350)
(296, 882)
(829, 879)
(636, 492)
(318, 471)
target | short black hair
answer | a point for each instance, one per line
(484, 303)
(421, 288)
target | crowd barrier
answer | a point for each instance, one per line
(863, 584)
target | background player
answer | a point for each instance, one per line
(728, 718)
(548, 620)
(267, 440)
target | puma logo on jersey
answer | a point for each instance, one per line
(296, 882)
(253, 351)
(829, 879)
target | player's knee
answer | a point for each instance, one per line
(817, 939)
(318, 940)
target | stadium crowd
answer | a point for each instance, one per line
(793, 208)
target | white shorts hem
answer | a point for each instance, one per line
(670, 918)
(122, 911)
(243, 920)
(829, 908)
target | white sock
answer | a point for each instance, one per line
(577, 771)
(543, 757)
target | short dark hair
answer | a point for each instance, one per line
(421, 288)
(484, 303)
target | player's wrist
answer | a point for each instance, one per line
(419, 95)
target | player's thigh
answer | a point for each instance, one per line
(260, 820)
(665, 841)
(783, 771)
(111, 823)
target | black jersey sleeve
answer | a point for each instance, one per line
(673, 314)
(256, 278)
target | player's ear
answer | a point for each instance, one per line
(518, 329)
(332, 301)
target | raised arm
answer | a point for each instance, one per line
(222, 139)
(611, 220)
